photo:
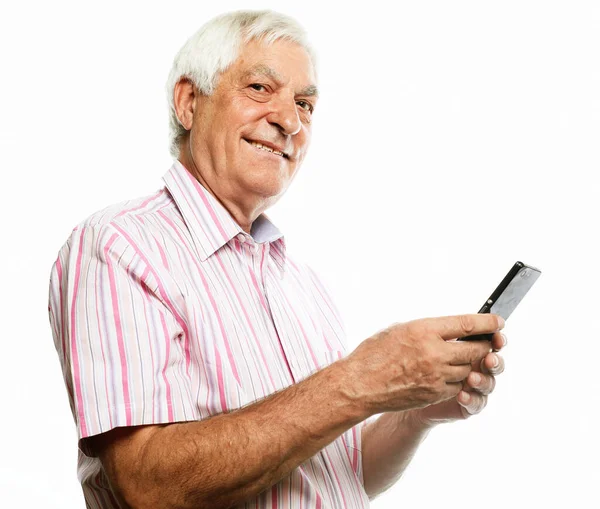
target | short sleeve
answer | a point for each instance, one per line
(119, 335)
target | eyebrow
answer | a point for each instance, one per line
(269, 72)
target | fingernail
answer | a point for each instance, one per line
(496, 361)
(476, 377)
(504, 340)
(501, 322)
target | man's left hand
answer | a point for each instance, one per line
(472, 399)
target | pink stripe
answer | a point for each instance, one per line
(198, 313)
(305, 336)
(164, 370)
(248, 321)
(208, 293)
(119, 328)
(326, 340)
(355, 450)
(162, 292)
(148, 299)
(151, 198)
(341, 488)
(60, 292)
(74, 353)
(222, 327)
(163, 257)
(268, 310)
(184, 190)
(202, 192)
(321, 291)
(259, 291)
(104, 363)
(214, 306)
(220, 380)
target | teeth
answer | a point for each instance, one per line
(268, 149)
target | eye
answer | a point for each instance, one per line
(258, 87)
(305, 105)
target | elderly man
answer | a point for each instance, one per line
(205, 366)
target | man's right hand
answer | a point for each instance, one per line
(227, 459)
(418, 363)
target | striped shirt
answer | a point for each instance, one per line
(164, 310)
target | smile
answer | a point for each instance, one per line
(267, 149)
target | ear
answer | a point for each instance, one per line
(184, 99)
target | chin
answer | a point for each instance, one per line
(267, 185)
(269, 191)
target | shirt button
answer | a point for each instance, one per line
(241, 238)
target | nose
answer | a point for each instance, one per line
(285, 116)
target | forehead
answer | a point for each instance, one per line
(282, 61)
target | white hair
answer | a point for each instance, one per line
(213, 48)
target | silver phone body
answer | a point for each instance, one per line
(508, 294)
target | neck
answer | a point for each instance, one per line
(243, 216)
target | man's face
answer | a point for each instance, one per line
(266, 97)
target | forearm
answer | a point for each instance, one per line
(388, 446)
(227, 459)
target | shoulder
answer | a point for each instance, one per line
(120, 225)
(136, 219)
(134, 209)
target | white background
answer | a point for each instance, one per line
(451, 139)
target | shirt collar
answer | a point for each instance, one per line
(209, 222)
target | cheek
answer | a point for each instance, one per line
(242, 111)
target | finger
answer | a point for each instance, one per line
(452, 390)
(452, 327)
(498, 341)
(458, 373)
(467, 352)
(483, 384)
(472, 402)
(492, 364)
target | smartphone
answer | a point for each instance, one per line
(508, 294)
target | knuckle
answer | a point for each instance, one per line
(434, 356)
(415, 325)
(467, 323)
(412, 331)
